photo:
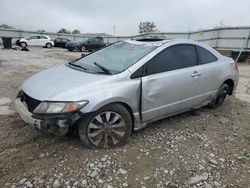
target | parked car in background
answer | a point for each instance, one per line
(60, 42)
(37, 40)
(88, 44)
(107, 94)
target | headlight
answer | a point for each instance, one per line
(59, 107)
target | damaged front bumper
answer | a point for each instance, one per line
(52, 123)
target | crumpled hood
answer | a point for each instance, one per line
(61, 83)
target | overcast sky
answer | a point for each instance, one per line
(98, 16)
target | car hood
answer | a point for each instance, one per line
(62, 83)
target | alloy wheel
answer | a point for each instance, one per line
(106, 129)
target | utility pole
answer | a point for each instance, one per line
(114, 30)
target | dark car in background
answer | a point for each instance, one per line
(60, 42)
(88, 44)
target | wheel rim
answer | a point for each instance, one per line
(48, 45)
(220, 99)
(23, 44)
(106, 129)
(83, 49)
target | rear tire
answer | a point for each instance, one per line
(107, 127)
(220, 96)
(48, 45)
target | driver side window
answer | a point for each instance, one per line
(172, 58)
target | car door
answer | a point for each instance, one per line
(90, 44)
(57, 42)
(210, 70)
(63, 43)
(42, 41)
(171, 82)
(99, 42)
(32, 41)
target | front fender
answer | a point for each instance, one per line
(108, 101)
(127, 93)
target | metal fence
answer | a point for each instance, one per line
(226, 38)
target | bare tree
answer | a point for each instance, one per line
(147, 27)
(76, 31)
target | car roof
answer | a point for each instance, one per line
(160, 42)
(39, 35)
(61, 38)
(163, 41)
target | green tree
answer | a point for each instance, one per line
(63, 30)
(76, 31)
(5, 26)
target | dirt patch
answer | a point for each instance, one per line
(170, 152)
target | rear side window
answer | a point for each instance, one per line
(33, 37)
(42, 37)
(173, 58)
(205, 56)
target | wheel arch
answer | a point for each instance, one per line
(24, 42)
(121, 102)
(83, 45)
(129, 110)
(49, 43)
(230, 83)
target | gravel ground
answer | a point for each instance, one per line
(209, 149)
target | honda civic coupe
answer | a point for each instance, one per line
(107, 94)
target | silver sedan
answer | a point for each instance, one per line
(106, 95)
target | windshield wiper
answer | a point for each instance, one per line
(75, 65)
(107, 71)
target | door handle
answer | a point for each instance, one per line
(195, 74)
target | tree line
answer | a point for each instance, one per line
(144, 27)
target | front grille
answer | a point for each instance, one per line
(31, 103)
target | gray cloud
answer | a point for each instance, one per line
(102, 15)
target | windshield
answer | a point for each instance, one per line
(115, 58)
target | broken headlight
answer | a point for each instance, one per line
(59, 107)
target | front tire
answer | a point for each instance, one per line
(220, 96)
(108, 127)
(83, 49)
